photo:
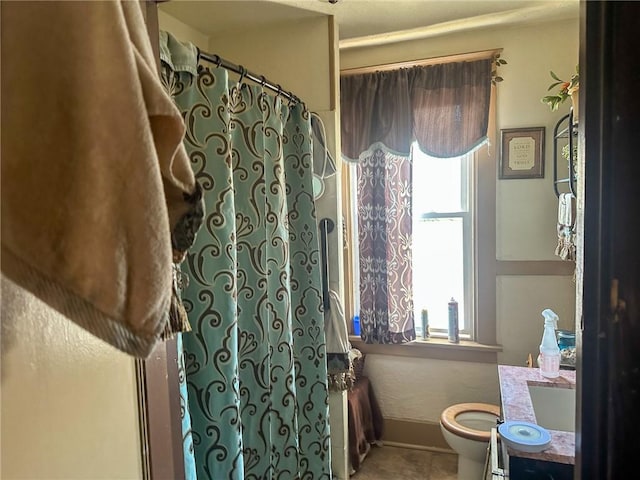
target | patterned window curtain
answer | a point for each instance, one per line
(384, 237)
(450, 106)
(255, 361)
(445, 108)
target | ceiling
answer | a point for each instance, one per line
(368, 21)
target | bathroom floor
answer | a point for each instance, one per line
(390, 463)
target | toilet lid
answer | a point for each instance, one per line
(525, 436)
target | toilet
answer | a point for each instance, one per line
(467, 429)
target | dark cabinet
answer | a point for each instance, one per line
(529, 469)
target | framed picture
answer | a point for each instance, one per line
(521, 153)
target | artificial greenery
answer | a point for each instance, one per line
(567, 88)
(497, 61)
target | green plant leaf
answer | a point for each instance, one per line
(494, 72)
(553, 102)
(554, 85)
(554, 76)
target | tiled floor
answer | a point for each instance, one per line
(390, 463)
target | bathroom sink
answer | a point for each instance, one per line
(554, 407)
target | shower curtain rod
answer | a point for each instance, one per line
(244, 73)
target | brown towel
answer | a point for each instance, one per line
(94, 174)
(365, 421)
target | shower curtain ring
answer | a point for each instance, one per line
(243, 72)
(279, 91)
(217, 60)
(263, 80)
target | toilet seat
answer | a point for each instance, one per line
(449, 422)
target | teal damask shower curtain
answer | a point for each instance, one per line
(255, 361)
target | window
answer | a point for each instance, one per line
(442, 240)
(453, 213)
(442, 249)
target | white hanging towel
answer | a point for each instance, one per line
(566, 248)
(339, 369)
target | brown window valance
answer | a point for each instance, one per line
(445, 107)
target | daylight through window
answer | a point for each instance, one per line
(442, 240)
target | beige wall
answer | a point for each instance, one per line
(526, 223)
(69, 401)
(294, 55)
(182, 31)
(521, 300)
(419, 389)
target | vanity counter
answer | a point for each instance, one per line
(517, 405)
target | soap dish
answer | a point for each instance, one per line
(524, 436)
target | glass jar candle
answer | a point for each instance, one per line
(567, 345)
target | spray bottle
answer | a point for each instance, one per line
(454, 334)
(549, 352)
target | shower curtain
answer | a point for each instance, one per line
(255, 361)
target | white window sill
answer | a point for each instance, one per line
(436, 348)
